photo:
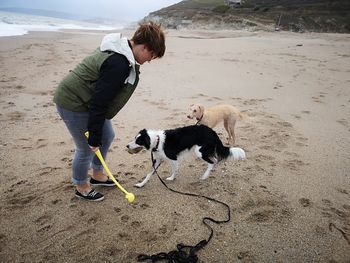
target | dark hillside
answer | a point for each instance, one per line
(291, 15)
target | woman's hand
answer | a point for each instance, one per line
(94, 149)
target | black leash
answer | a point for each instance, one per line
(181, 255)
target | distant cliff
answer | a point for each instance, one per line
(290, 15)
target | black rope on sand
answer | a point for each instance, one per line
(181, 255)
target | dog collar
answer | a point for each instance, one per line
(157, 144)
(198, 120)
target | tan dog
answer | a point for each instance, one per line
(212, 116)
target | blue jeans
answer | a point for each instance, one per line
(84, 158)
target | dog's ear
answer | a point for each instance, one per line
(201, 108)
(144, 139)
(147, 141)
(143, 131)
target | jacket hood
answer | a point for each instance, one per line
(117, 43)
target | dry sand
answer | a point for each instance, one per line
(290, 200)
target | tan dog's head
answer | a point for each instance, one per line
(196, 111)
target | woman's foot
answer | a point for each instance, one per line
(108, 182)
(83, 188)
(98, 178)
(98, 175)
(85, 191)
(90, 196)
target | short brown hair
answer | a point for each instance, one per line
(152, 36)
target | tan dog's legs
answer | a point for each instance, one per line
(233, 137)
(230, 128)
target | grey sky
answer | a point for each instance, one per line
(129, 10)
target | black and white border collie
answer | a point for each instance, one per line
(169, 144)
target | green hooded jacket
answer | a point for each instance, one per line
(75, 91)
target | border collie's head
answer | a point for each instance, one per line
(142, 139)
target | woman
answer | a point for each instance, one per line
(95, 91)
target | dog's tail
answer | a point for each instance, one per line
(237, 153)
(233, 153)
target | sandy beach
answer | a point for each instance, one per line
(290, 199)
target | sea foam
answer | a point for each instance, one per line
(15, 24)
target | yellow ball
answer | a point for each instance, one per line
(130, 197)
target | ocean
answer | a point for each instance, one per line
(16, 24)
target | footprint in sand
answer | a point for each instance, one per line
(19, 183)
(123, 235)
(268, 215)
(277, 85)
(56, 201)
(264, 208)
(343, 122)
(48, 170)
(343, 191)
(294, 164)
(60, 143)
(305, 202)
(135, 224)
(112, 252)
(149, 236)
(40, 143)
(306, 111)
(296, 116)
(317, 98)
(285, 124)
(9, 105)
(338, 218)
(245, 256)
(141, 166)
(15, 115)
(48, 104)
(346, 206)
(292, 154)
(162, 107)
(250, 102)
(125, 218)
(327, 202)
(263, 158)
(21, 201)
(198, 96)
(163, 230)
(45, 228)
(129, 174)
(93, 220)
(144, 206)
(117, 209)
(169, 118)
(204, 206)
(44, 223)
(2, 239)
(301, 141)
